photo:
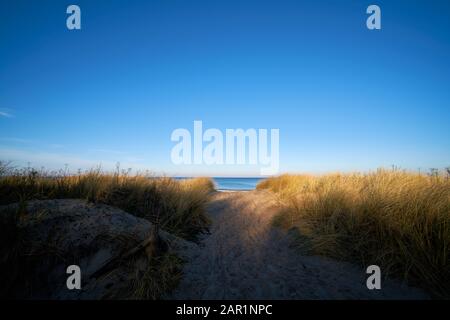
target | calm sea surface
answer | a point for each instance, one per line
(236, 183)
(233, 184)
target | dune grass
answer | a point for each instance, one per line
(399, 221)
(175, 206)
(161, 277)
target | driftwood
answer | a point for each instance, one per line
(151, 245)
(98, 238)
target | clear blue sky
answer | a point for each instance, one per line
(344, 97)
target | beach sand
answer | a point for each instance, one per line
(245, 257)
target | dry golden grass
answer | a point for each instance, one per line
(176, 205)
(399, 221)
(162, 275)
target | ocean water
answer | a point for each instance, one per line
(233, 184)
(236, 184)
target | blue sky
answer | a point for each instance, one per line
(344, 97)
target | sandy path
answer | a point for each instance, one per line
(244, 257)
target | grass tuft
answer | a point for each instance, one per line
(177, 206)
(397, 220)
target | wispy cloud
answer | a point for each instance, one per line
(101, 150)
(56, 146)
(57, 161)
(18, 140)
(6, 113)
(30, 142)
(124, 156)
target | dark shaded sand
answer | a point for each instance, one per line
(245, 257)
(58, 233)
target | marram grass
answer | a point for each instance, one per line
(399, 221)
(177, 206)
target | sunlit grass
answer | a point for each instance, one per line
(397, 220)
(175, 206)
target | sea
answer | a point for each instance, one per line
(233, 184)
(236, 184)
